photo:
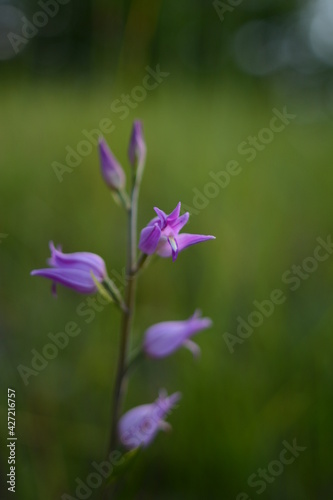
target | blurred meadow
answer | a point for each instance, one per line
(237, 407)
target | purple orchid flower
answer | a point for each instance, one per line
(112, 172)
(162, 236)
(164, 338)
(137, 147)
(139, 426)
(74, 270)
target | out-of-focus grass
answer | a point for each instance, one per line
(236, 408)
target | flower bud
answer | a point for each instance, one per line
(112, 172)
(137, 147)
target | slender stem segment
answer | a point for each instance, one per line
(127, 316)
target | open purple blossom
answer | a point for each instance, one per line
(139, 426)
(163, 339)
(137, 147)
(73, 270)
(112, 172)
(162, 236)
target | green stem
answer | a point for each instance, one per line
(142, 261)
(134, 360)
(127, 315)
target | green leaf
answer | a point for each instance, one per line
(102, 290)
(128, 461)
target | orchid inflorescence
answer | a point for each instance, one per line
(86, 273)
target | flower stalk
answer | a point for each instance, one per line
(127, 316)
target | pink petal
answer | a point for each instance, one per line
(78, 280)
(149, 239)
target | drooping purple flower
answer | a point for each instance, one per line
(163, 339)
(137, 147)
(139, 426)
(162, 236)
(74, 270)
(113, 174)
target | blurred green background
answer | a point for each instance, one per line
(227, 72)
